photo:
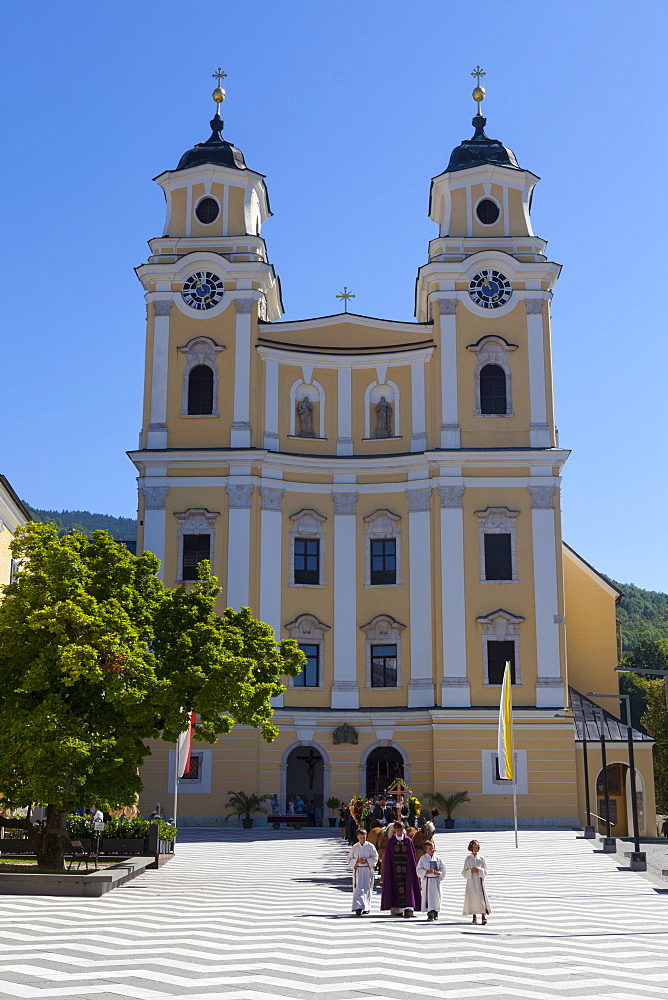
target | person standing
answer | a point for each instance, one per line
(362, 858)
(664, 828)
(379, 812)
(475, 897)
(344, 812)
(401, 885)
(431, 872)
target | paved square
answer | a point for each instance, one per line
(248, 915)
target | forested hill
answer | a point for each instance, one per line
(122, 528)
(643, 605)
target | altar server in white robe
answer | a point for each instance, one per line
(362, 858)
(475, 872)
(431, 872)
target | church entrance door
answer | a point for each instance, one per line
(383, 765)
(305, 776)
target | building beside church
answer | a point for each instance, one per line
(384, 492)
(13, 513)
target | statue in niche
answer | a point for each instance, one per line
(383, 418)
(305, 413)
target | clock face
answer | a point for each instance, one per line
(490, 289)
(202, 290)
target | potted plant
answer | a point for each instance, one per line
(245, 805)
(448, 804)
(333, 804)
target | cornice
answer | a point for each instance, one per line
(374, 357)
(337, 319)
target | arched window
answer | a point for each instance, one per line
(493, 390)
(200, 390)
(199, 393)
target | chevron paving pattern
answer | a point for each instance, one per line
(253, 915)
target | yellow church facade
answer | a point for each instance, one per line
(386, 493)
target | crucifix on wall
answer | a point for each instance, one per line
(310, 760)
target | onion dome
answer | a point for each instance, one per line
(480, 150)
(214, 150)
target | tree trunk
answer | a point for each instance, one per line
(52, 841)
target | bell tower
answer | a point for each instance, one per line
(211, 255)
(488, 285)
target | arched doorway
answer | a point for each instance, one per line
(619, 794)
(383, 765)
(305, 775)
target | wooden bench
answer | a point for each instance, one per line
(296, 821)
(79, 854)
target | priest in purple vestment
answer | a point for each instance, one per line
(401, 885)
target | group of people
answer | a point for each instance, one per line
(298, 807)
(408, 884)
(379, 811)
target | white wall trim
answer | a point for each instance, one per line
(490, 785)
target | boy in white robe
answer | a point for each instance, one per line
(431, 872)
(475, 872)
(362, 858)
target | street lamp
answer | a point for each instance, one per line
(609, 846)
(637, 858)
(589, 832)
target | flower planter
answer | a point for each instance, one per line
(247, 822)
(332, 820)
(449, 822)
(118, 845)
(16, 845)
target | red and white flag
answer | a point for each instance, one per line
(184, 747)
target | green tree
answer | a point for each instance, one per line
(97, 656)
(649, 654)
(655, 721)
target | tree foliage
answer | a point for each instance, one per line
(97, 656)
(122, 528)
(644, 605)
(655, 721)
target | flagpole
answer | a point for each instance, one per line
(176, 780)
(512, 744)
(506, 740)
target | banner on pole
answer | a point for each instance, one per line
(184, 747)
(506, 761)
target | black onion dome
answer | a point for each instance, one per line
(479, 150)
(214, 150)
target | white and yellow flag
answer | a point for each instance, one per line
(506, 762)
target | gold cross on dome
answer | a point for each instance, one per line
(219, 75)
(478, 72)
(345, 295)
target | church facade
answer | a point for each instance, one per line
(386, 493)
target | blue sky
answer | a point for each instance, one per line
(349, 109)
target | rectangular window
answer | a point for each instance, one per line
(383, 561)
(307, 560)
(384, 666)
(195, 549)
(310, 675)
(194, 772)
(498, 557)
(497, 655)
